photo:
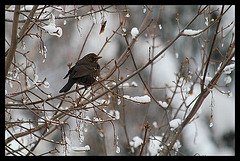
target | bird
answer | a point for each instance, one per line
(84, 72)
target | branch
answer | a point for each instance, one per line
(85, 41)
(200, 100)
(12, 49)
(211, 50)
(26, 25)
(146, 126)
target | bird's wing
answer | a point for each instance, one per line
(80, 71)
(69, 72)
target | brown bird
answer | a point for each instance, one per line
(84, 72)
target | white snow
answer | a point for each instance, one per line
(228, 79)
(118, 149)
(77, 149)
(140, 99)
(154, 145)
(206, 21)
(52, 29)
(124, 85)
(229, 68)
(46, 84)
(136, 141)
(164, 104)
(134, 84)
(127, 15)
(115, 113)
(160, 26)
(174, 124)
(134, 32)
(207, 79)
(192, 33)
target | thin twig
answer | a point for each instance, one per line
(26, 25)
(211, 50)
(146, 126)
(85, 41)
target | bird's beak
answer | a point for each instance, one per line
(99, 57)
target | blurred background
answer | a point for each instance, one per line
(197, 138)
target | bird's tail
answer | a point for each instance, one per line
(67, 87)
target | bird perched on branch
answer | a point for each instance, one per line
(84, 72)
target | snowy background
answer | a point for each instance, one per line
(200, 137)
